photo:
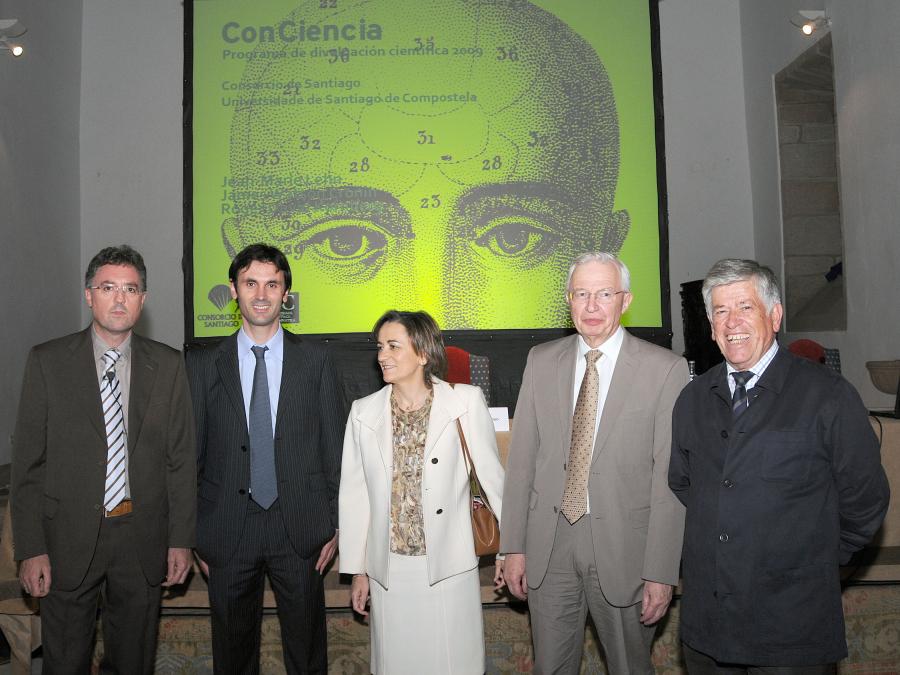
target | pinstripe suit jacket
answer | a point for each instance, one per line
(308, 438)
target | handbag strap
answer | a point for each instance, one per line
(470, 465)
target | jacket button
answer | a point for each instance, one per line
(242, 491)
(439, 511)
(555, 510)
(434, 460)
(724, 433)
(723, 537)
(727, 483)
(243, 448)
(96, 507)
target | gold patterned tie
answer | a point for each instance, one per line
(574, 501)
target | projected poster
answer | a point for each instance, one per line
(446, 155)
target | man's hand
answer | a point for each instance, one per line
(499, 579)
(656, 601)
(179, 560)
(326, 554)
(359, 593)
(514, 573)
(34, 575)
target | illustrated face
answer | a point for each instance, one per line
(741, 326)
(398, 360)
(259, 290)
(116, 311)
(596, 321)
(467, 203)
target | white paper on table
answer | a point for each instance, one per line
(501, 418)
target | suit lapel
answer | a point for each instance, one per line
(230, 375)
(81, 374)
(377, 417)
(446, 408)
(143, 375)
(619, 389)
(565, 371)
(292, 374)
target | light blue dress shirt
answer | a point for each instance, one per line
(247, 365)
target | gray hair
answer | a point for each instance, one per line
(732, 270)
(601, 257)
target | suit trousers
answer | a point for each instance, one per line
(236, 599)
(559, 608)
(129, 611)
(701, 664)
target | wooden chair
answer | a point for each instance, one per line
(19, 618)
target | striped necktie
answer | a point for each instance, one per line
(114, 419)
(739, 401)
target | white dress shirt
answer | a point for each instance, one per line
(605, 366)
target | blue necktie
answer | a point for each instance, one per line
(739, 402)
(263, 484)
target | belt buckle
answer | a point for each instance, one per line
(124, 507)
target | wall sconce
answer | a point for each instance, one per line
(810, 20)
(11, 28)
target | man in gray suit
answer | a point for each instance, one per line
(270, 427)
(589, 523)
(104, 477)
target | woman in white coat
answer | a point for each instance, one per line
(404, 506)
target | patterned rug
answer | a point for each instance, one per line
(873, 635)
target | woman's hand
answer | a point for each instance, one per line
(499, 579)
(359, 594)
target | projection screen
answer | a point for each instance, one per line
(446, 155)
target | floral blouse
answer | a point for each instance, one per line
(409, 431)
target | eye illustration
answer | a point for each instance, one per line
(347, 241)
(516, 237)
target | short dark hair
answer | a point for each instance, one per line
(425, 336)
(116, 255)
(260, 253)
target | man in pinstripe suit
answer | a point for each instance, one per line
(267, 498)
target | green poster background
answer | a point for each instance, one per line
(451, 155)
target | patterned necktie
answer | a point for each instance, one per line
(584, 421)
(739, 400)
(114, 418)
(263, 484)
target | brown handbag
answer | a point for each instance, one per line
(485, 529)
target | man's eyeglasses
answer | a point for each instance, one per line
(602, 297)
(109, 290)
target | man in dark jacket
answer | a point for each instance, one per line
(779, 469)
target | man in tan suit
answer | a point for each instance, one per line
(589, 523)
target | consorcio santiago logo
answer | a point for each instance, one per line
(220, 297)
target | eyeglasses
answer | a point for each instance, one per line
(109, 290)
(581, 296)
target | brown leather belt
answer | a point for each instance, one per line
(123, 507)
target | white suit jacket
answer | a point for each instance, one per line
(364, 510)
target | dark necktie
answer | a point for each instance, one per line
(263, 484)
(574, 501)
(739, 398)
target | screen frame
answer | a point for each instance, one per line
(661, 335)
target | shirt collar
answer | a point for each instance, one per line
(100, 347)
(760, 366)
(275, 344)
(610, 348)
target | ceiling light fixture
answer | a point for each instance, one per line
(11, 28)
(810, 20)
